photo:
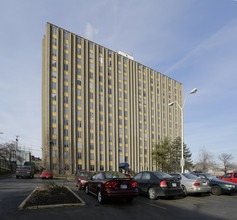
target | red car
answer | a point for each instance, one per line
(82, 178)
(46, 174)
(111, 185)
(230, 177)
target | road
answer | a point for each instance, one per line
(13, 191)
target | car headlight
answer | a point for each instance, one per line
(229, 186)
(83, 181)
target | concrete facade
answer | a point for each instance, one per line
(100, 107)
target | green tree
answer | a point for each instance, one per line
(167, 155)
(160, 154)
(176, 145)
(188, 159)
(175, 155)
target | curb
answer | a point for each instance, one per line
(21, 206)
(6, 176)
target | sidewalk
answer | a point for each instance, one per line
(6, 175)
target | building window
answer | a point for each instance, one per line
(53, 96)
(65, 132)
(53, 119)
(65, 35)
(54, 30)
(78, 40)
(79, 155)
(53, 108)
(65, 143)
(65, 88)
(55, 167)
(100, 50)
(124, 60)
(54, 52)
(66, 154)
(79, 145)
(65, 45)
(90, 46)
(65, 67)
(65, 77)
(54, 153)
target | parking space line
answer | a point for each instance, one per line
(223, 198)
(154, 205)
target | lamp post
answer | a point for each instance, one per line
(182, 162)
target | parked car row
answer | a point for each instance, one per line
(108, 185)
(28, 172)
(218, 186)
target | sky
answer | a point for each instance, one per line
(191, 41)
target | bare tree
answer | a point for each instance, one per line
(205, 161)
(226, 160)
(10, 152)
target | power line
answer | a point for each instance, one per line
(7, 132)
(22, 143)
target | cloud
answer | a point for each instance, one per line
(90, 31)
(220, 38)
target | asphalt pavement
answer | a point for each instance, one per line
(13, 191)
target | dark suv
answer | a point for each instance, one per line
(24, 171)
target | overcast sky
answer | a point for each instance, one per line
(191, 41)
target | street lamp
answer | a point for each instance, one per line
(182, 115)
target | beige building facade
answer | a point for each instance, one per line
(101, 108)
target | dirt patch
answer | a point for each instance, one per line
(51, 196)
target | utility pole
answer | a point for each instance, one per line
(16, 145)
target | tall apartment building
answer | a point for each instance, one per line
(100, 107)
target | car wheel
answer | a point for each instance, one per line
(152, 193)
(17, 177)
(87, 190)
(99, 197)
(185, 193)
(216, 190)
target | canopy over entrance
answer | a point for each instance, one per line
(122, 165)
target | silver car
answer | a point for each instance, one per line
(192, 184)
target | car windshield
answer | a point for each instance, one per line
(25, 168)
(189, 176)
(86, 174)
(210, 177)
(163, 175)
(46, 171)
(112, 175)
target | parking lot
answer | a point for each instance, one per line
(13, 191)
